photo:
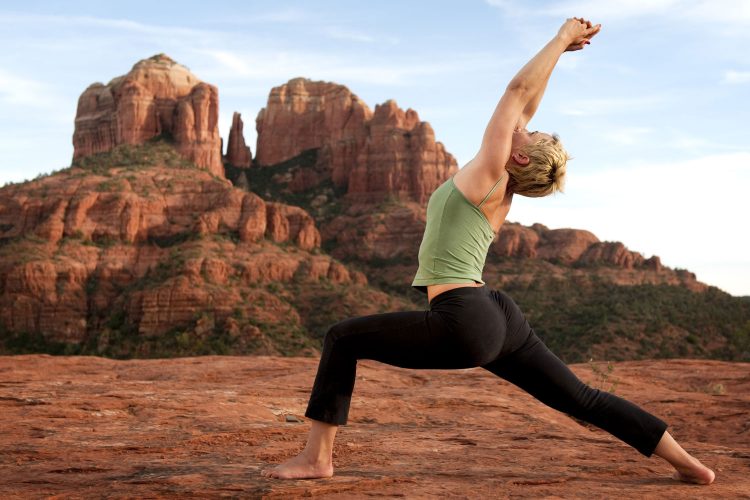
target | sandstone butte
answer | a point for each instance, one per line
(158, 96)
(204, 427)
(387, 153)
(141, 235)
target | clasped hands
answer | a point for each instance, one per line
(577, 32)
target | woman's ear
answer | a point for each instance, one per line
(520, 158)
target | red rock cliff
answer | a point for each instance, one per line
(158, 96)
(161, 243)
(567, 246)
(380, 155)
(238, 154)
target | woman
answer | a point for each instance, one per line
(467, 324)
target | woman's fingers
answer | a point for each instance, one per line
(579, 31)
(593, 31)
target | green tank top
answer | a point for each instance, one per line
(456, 239)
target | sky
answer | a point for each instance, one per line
(654, 112)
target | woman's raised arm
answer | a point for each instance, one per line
(523, 93)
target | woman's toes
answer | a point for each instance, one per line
(705, 476)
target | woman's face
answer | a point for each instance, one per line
(522, 137)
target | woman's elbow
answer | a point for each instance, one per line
(519, 88)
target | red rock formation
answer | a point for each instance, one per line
(205, 427)
(388, 234)
(157, 96)
(400, 158)
(74, 240)
(375, 156)
(615, 253)
(238, 154)
(515, 240)
(564, 245)
(303, 114)
(288, 223)
(567, 246)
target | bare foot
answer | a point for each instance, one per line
(697, 473)
(300, 467)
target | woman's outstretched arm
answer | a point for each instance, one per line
(533, 104)
(528, 85)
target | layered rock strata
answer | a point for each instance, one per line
(156, 97)
(388, 153)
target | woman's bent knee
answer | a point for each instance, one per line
(337, 330)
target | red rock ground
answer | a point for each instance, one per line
(83, 427)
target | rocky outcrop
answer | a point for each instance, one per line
(161, 244)
(303, 114)
(158, 96)
(400, 158)
(566, 246)
(615, 253)
(289, 223)
(391, 234)
(375, 156)
(515, 240)
(238, 154)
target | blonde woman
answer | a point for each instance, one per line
(468, 324)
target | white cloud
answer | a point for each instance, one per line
(119, 24)
(340, 33)
(589, 9)
(595, 10)
(731, 16)
(690, 142)
(281, 65)
(627, 136)
(287, 15)
(608, 105)
(235, 63)
(18, 90)
(736, 77)
(569, 63)
(662, 136)
(685, 212)
(346, 34)
(510, 7)
(733, 12)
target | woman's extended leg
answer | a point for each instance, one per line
(535, 369)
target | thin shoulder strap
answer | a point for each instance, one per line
(493, 189)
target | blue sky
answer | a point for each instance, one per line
(654, 111)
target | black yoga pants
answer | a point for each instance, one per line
(467, 327)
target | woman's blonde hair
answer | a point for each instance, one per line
(545, 171)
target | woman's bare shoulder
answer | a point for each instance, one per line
(476, 178)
